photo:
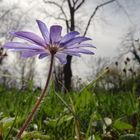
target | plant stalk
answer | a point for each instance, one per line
(38, 102)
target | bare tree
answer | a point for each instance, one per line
(131, 45)
(9, 21)
(12, 19)
(25, 70)
(70, 21)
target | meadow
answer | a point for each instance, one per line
(90, 114)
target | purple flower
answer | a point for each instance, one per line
(52, 43)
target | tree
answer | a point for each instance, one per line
(70, 21)
(10, 22)
(131, 45)
(25, 71)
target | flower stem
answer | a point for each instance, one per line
(38, 102)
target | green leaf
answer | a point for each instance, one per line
(129, 137)
(1, 114)
(6, 122)
(65, 118)
(120, 125)
(92, 137)
(35, 135)
(59, 121)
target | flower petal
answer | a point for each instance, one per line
(43, 55)
(75, 41)
(69, 36)
(29, 54)
(82, 46)
(20, 46)
(61, 57)
(55, 33)
(78, 50)
(44, 30)
(71, 53)
(30, 37)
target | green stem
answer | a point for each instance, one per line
(7, 136)
(76, 121)
(38, 102)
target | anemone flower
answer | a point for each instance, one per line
(52, 44)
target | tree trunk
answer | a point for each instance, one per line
(68, 74)
(67, 67)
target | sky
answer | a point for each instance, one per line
(107, 29)
(113, 23)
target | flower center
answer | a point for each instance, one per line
(53, 49)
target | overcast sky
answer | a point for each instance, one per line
(108, 27)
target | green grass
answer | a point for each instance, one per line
(67, 116)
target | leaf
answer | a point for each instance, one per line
(92, 137)
(51, 122)
(59, 121)
(129, 137)
(65, 118)
(4, 125)
(1, 113)
(6, 120)
(90, 85)
(120, 125)
(35, 135)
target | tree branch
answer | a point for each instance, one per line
(134, 52)
(69, 3)
(125, 12)
(62, 10)
(79, 5)
(5, 13)
(75, 1)
(59, 6)
(94, 12)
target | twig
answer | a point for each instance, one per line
(94, 13)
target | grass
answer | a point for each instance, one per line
(69, 116)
